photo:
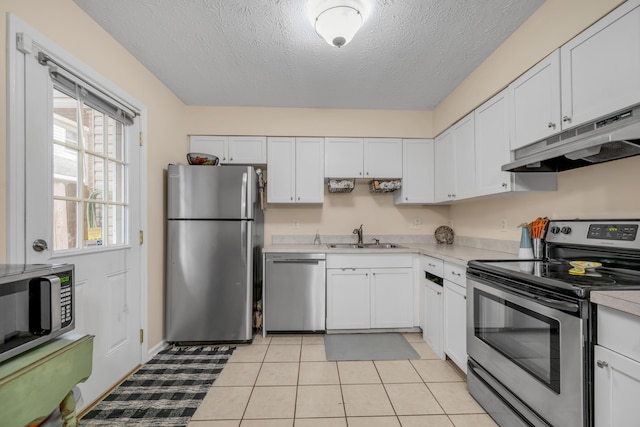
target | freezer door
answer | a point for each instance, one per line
(211, 192)
(209, 281)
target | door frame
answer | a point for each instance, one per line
(15, 158)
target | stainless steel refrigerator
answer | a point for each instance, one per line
(214, 244)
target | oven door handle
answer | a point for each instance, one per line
(560, 305)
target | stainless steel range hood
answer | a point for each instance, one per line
(609, 138)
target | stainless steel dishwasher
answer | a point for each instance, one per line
(294, 295)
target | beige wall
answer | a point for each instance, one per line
(341, 212)
(601, 191)
(68, 26)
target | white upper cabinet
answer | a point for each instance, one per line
(601, 67)
(295, 168)
(309, 170)
(464, 154)
(492, 146)
(214, 145)
(343, 157)
(417, 173)
(444, 167)
(244, 150)
(535, 110)
(594, 74)
(363, 158)
(455, 161)
(247, 150)
(383, 158)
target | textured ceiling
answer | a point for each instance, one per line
(409, 54)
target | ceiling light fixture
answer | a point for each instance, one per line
(337, 25)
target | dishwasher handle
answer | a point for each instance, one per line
(295, 261)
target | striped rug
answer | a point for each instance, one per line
(165, 392)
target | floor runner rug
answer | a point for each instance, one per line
(375, 346)
(165, 392)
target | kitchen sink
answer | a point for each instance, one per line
(365, 246)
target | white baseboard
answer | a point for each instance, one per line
(156, 349)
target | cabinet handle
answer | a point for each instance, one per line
(602, 364)
(449, 195)
(453, 195)
(231, 159)
(359, 173)
(551, 125)
(465, 297)
(406, 198)
(504, 185)
(439, 293)
(292, 198)
(366, 274)
(566, 119)
(431, 265)
(224, 158)
(455, 274)
(367, 173)
(298, 198)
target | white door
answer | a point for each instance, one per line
(382, 158)
(445, 183)
(492, 146)
(348, 299)
(417, 172)
(343, 157)
(616, 388)
(82, 196)
(309, 170)
(281, 166)
(464, 137)
(391, 298)
(535, 98)
(455, 324)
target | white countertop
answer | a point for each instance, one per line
(627, 301)
(452, 253)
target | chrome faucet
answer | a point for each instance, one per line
(358, 231)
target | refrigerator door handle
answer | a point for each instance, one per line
(243, 195)
(247, 233)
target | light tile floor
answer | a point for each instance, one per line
(286, 381)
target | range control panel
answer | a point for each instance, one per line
(613, 231)
(610, 233)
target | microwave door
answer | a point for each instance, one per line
(44, 305)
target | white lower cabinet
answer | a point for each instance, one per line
(348, 299)
(616, 389)
(391, 298)
(432, 331)
(362, 296)
(616, 369)
(455, 315)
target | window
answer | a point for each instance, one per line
(90, 201)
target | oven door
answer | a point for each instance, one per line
(531, 347)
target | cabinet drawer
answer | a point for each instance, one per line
(455, 273)
(433, 265)
(617, 331)
(369, 261)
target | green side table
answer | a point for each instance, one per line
(33, 384)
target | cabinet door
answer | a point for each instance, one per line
(616, 389)
(492, 146)
(247, 150)
(216, 145)
(281, 166)
(444, 167)
(464, 157)
(343, 157)
(309, 170)
(382, 158)
(455, 327)
(392, 298)
(348, 299)
(600, 67)
(417, 172)
(536, 103)
(432, 332)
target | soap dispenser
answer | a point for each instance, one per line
(316, 240)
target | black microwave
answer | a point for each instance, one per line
(36, 305)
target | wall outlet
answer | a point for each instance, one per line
(503, 224)
(295, 224)
(416, 223)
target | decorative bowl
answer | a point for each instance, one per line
(202, 159)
